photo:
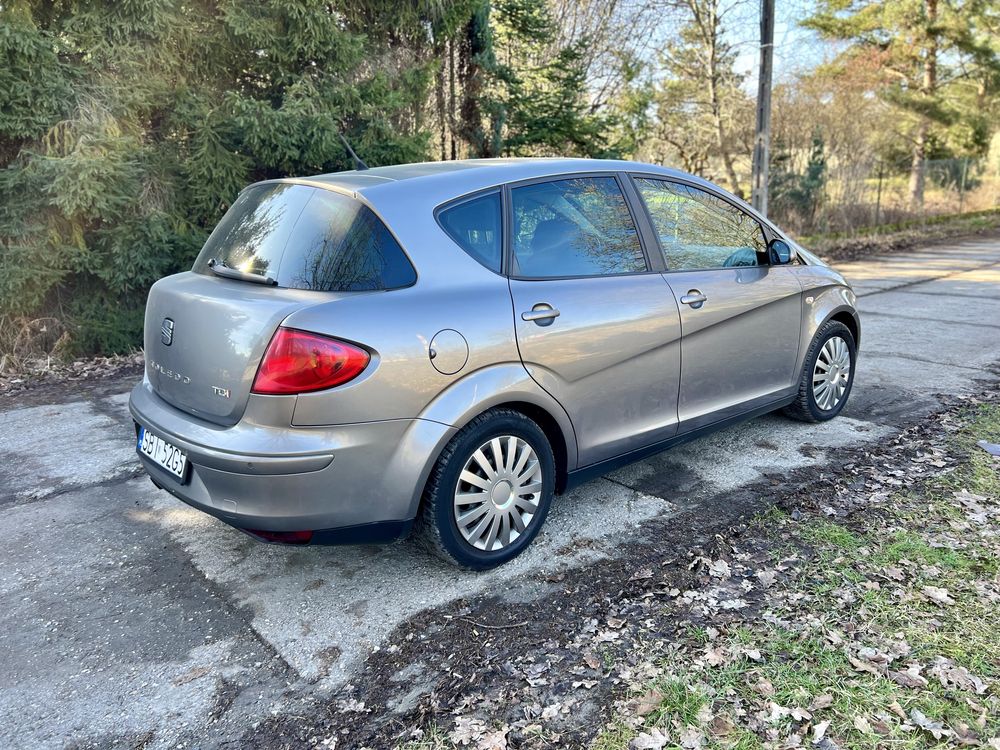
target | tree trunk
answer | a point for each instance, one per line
(918, 166)
(451, 103)
(439, 95)
(918, 163)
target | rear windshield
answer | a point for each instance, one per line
(307, 238)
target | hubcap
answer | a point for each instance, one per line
(832, 373)
(498, 492)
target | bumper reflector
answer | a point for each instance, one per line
(282, 537)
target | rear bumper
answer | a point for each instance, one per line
(353, 483)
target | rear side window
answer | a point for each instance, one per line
(475, 226)
(307, 238)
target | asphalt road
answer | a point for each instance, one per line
(131, 619)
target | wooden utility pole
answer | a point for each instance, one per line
(762, 142)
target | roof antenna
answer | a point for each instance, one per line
(358, 164)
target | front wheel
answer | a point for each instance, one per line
(489, 492)
(827, 374)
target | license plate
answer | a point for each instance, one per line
(162, 453)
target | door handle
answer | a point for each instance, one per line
(694, 298)
(541, 314)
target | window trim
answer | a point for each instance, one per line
(765, 229)
(509, 187)
(466, 198)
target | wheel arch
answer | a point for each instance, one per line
(507, 386)
(552, 430)
(850, 319)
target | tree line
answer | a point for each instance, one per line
(126, 129)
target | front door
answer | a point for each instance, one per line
(740, 316)
(596, 328)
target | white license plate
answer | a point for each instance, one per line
(162, 453)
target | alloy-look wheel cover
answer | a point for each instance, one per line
(498, 492)
(832, 373)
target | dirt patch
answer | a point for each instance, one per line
(82, 379)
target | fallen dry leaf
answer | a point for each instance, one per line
(821, 701)
(493, 741)
(719, 569)
(721, 726)
(652, 740)
(715, 656)
(767, 577)
(819, 731)
(898, 710)
(938, 595)
(909, 678)
(764, 687)
(692, 738)
(864, 666)
(801, 714)
(949, 673)
(190, 675)
(935, 728)
(964, 735)
(649, 702)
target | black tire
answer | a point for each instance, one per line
(437, 529)
(805, 408)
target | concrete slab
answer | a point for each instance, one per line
(49, 449)
(108, 630)
(324, 608)
(943, 342)
(983, 282)
(898, 388)
(910, 305)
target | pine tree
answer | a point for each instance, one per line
(128, 128)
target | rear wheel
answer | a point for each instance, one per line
(489, 492)
(827, 374)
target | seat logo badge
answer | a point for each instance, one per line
(167, 331)
(224, 392)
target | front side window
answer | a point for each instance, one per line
(700, 231)
(307, 238)
(574, 227)
(475, 225)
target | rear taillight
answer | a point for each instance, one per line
(299, 362)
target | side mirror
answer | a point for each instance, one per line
(781, 252)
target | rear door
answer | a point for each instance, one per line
(595, 326)
(740, 316)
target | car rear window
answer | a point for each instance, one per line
(307, 238)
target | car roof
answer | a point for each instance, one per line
(439, 181)
(406, 196)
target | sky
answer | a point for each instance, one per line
(796, 49)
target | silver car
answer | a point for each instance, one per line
(448, 345)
